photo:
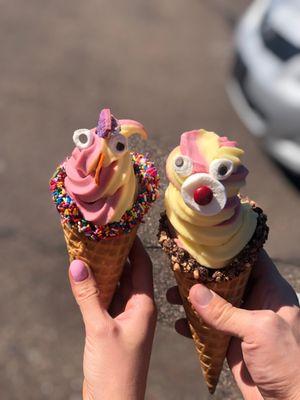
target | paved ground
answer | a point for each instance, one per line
(161, 62)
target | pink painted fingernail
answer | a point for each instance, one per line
(78, 271)
(202, 295)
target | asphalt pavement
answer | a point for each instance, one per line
(164, 63)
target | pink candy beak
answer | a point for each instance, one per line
(98, 169)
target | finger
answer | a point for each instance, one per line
(237, 365)
(173, 296)
(266, 272)
(117, 304)
(269, 288)
(141, 269)
(140, 307)
(263, 266)
(122, 292)
(220, 314)
(125, 286)
(240, 372)
(86, 293)
(182, 327)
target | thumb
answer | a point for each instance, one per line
(220, 314)
(86, 293)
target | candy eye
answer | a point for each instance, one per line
(221, 168)
(118, 143)
(83, 138)
(183, 165)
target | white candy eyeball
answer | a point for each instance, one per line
(221, 168)
(183, 165)
(118, 143)
(83, 138)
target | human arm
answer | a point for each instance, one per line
(118, 343)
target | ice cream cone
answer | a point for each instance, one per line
(211, 345)
(106, 257)
(210, 232)
(229, 282)
(102, 192)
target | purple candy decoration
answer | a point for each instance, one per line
(106, 123)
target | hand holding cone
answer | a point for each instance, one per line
(211, 344)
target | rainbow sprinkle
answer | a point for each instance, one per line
(148, 178)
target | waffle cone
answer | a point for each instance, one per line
(211, 345)
(229, 282)
(106, 257)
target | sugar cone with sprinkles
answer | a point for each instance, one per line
(102, 192)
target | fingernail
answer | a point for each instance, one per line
(202, 295)
(78, 271)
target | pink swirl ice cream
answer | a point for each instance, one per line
(99, 174)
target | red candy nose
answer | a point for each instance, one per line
(203, 195)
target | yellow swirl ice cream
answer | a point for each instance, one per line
(202, 200)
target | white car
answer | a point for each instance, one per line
(265, 84)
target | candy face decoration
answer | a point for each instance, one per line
(202, 167)
(100, 175)
(83, 138)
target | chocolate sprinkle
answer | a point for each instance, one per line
(181, 259)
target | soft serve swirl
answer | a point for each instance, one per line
(99, 174)
(202, 203)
